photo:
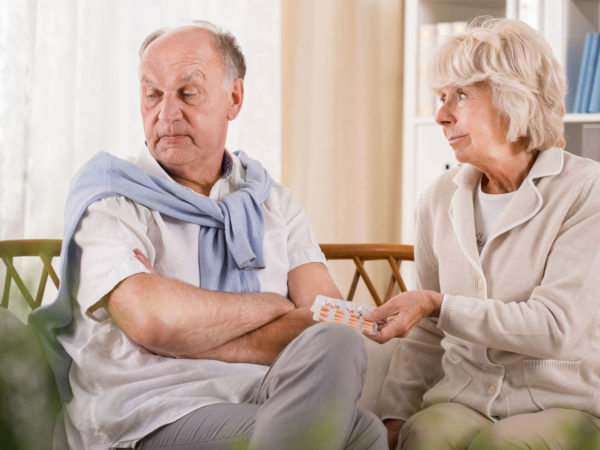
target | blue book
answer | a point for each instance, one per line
(586, 73)
(594, 103)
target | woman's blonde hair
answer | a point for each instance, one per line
(528, 84)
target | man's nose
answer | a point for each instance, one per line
(444, 115)
(170, 109)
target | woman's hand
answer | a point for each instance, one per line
(397, 316)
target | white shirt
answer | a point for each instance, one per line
(122, 392)
(488, 209)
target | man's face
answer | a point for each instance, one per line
(184, 103)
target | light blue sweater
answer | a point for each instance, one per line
(230, 243)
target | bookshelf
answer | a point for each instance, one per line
(426, 154)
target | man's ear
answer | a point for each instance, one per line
(237, 98)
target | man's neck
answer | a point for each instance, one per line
(199, 176)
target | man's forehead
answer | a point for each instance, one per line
(185, 39)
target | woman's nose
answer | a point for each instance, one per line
(444, 115)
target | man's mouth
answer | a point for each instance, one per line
(173, 137)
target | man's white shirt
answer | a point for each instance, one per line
(123, 392)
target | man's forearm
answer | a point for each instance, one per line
(262, 345)
(177, 319)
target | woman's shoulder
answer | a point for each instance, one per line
(441, 188)
(580, 171)
(577, 166)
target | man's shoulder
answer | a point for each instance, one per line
(282, 198)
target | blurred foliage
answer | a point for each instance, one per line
(29, 401)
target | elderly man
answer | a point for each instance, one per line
(187, 274)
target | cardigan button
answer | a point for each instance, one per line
(480, 284)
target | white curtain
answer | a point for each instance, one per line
(69, 88)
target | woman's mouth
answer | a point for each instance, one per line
(454, 139)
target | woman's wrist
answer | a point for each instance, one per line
(435, 303)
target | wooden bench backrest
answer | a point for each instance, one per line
(45, 250)
(394, 254)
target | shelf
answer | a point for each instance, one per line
(582, 118)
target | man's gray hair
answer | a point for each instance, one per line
(225, 43)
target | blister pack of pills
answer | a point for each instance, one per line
(327, 309)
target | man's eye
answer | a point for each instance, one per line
(152, 95)
(188, 94)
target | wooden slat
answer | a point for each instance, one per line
(395, 266)
(353, 286)
(6, 289)
(18, 281)
(365, 276)
(30, 247)
(394, 254)
(368, 251)
(48, 266)
(41, 288)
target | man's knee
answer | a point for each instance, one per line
(333, 336)
(334, 350)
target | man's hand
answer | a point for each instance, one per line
(397, 316)
(393, 427)
(144, 260)
(264, 344)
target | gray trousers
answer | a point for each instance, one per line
(307, 400)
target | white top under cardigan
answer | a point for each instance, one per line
(121, 392)
(488, 209)
(518, 328)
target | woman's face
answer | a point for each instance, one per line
(471, 123)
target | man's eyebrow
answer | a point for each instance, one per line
(146, 80)
(193, 74)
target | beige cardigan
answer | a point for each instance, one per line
(519, 328)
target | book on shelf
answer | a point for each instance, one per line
(431, 35)
(589, 77)
(594, 100)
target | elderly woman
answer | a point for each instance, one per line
(502, 341)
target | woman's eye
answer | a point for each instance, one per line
(442, 100)
(462, 95)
